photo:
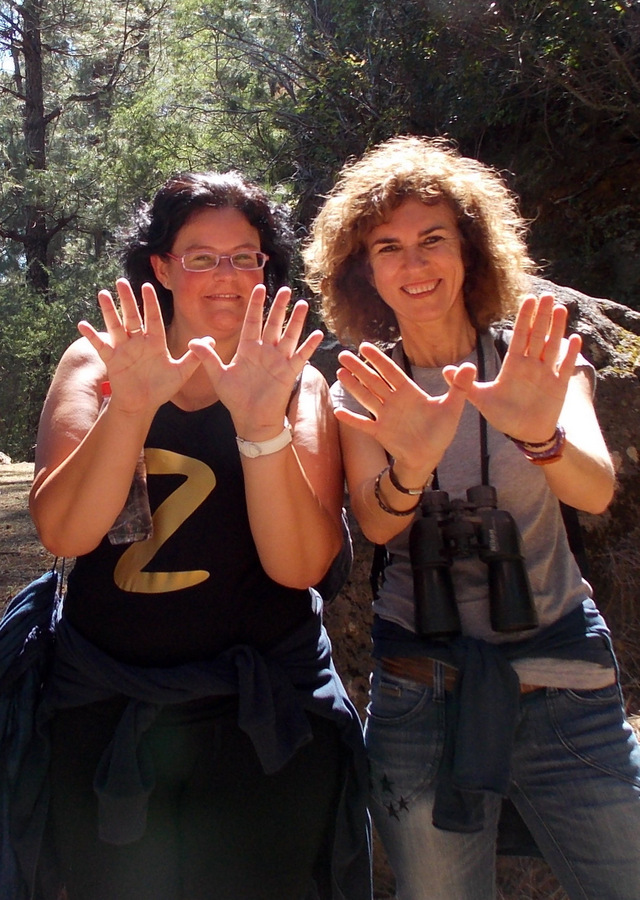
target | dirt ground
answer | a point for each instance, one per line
(22, 557)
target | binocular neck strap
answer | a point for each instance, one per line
(484, 440)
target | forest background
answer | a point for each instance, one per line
(100, 101)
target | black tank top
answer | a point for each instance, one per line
(197, 586)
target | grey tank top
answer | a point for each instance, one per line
(522, 489)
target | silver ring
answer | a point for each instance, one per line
(135, 331)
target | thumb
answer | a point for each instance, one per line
(204, 350)
(461, 377)
(188, 363)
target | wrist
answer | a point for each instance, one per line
(257, 428)
(542, 453)
(252, 447)
(408, 483)
(382, 500)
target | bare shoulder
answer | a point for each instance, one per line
(80, 368)
(80, 356)
(73, 401)
(311, 410)
(312, 378)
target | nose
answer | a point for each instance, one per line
(415, 255)
(224, 265)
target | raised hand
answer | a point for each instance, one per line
(141, 370)
(410, 424)
(527, 397)
(256, 384)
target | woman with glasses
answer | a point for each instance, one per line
(202, 744)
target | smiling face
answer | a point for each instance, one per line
(416, 265)
(214, 302)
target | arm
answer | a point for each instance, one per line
(539, 386)
(414, 428)
(584, 477)
(294, 496)
(86, 456)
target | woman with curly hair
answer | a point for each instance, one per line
(203, 746)
(495, 678)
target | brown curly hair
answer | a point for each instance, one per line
(368, 190)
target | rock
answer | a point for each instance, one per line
(4, 459)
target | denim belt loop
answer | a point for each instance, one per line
(438, 680)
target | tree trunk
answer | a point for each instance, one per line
(36, 242)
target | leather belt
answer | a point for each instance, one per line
(422, 670)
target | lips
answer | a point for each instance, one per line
(425, 287)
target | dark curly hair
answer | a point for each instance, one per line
(156, 225)
(368, 191)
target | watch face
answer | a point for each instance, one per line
(251, 449)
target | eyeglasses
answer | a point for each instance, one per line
(204, 261)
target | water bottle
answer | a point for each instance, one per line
(134, 523)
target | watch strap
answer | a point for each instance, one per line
(253, 449)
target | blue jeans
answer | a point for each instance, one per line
(575, 781)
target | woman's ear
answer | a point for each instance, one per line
(160, 268)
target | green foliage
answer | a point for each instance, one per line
(33, 336)
(286, 90)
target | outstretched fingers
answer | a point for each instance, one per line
(539, 330)
(566, 367)
(254, 315)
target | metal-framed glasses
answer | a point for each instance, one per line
(205, 261)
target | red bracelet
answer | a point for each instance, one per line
(552, 453)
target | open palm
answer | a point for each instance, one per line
(140, 369)
(256, 384)
(527, 397)
(406, 421)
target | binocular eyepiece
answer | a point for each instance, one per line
(451, 529)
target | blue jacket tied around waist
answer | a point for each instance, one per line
(274, 692)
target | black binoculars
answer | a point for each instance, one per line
(451, 529)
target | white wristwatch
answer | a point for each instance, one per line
(264, 448)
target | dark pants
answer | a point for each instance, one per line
(218, 828)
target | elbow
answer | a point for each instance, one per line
(59, 544)
(59, 541)
(306, 572)
(377, 535)
(602, 498)
(600, 504)
(597, 501)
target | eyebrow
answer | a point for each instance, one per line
(239, 248)
(421, 234)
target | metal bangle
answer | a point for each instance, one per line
(383, 505)
(413, 492)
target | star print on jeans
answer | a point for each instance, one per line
(387, 785)
(394, 806)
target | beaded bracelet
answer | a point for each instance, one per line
(551, 452)
(383, 505)
(413, 492)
